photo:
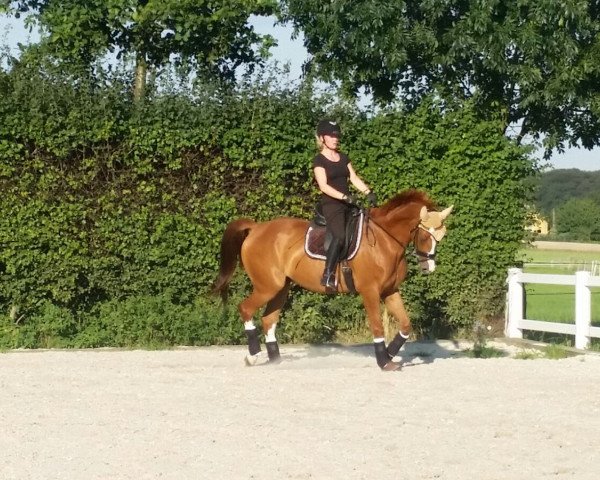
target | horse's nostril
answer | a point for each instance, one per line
(428, 267)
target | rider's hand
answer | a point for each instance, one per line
(351, 199)
(372, 199)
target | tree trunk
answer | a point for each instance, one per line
(524, 131)
(141, 68)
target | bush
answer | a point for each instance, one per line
(111, 214)
(311, 318)
(158, 322)
(460, 160)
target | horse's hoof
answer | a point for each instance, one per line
(258, 359)
(275, 360)
(392, 367)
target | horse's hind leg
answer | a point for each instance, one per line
(395, 306)
(270, 319)
(247, 309)
(274, 295)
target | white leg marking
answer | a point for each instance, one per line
(270, 336)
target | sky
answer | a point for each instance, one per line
(292, 51)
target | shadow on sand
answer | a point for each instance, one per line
(411, 354)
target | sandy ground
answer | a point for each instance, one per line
(323, 413)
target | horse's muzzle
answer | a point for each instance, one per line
(427, 265)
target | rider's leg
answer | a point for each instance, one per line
(335, 214)
(328, 279)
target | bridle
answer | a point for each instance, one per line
(419, 253)
(423, 256)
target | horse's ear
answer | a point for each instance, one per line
(444, 213)
(424, 214)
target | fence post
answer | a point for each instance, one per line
(583, 310)
(515, 304)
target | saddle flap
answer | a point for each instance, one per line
(315, 239)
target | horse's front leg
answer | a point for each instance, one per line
(371, 302)
(395, 306)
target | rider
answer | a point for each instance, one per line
(332, 170)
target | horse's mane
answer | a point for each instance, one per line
(404, 198)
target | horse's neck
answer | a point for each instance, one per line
(400, 222)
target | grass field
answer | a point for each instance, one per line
(556, 303)
(559, 259)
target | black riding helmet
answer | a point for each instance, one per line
(328, 127)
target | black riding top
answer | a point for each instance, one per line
(337, 172)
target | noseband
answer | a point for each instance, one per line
(419, 253)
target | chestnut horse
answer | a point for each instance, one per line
(272, 254)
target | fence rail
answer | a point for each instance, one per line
(582, 328)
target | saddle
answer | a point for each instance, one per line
(317, 238)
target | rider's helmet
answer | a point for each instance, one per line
(328, 127)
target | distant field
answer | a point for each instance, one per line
(573, 246)
(568, 261)
(556, 303)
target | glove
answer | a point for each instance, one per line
(351, 199)
(372, 199)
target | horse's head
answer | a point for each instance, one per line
(427, 235)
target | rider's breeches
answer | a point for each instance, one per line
(334, 212)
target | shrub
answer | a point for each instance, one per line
(111, 213)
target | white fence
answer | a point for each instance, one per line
(582, 328)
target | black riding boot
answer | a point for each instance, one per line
(328, 280)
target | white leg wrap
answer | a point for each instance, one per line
(270, 336)
(379, 340)
(252, 360)
(249, 325)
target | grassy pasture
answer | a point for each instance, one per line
(556, 303)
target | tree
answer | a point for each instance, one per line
(214, 36)
(580, 218)
(555, 187)
(532, 63)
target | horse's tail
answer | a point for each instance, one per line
(231, 245)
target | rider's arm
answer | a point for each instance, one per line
(321, 177)
(357, 181)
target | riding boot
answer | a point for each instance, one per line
(328, 280)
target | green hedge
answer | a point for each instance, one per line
(111, 214)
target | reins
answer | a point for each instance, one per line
(368, 219)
